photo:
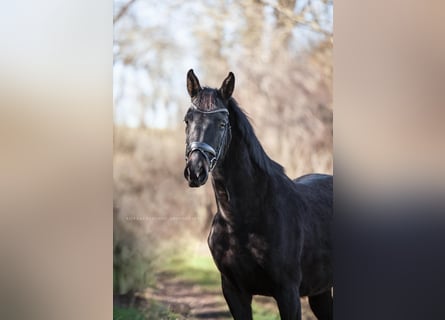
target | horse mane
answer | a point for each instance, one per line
(255, 149)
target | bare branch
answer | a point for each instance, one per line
(297, 19)
(123, 10)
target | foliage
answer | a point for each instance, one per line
(154, 311)
(123, 313)
(132, 263)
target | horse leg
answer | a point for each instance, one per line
(288, 302)
(322, 305)
(239, 302)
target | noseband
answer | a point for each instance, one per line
(205, 148)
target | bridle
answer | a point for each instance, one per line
(205, 148)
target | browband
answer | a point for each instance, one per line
(194, 107)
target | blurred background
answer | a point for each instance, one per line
(56, 121)
(281, 54)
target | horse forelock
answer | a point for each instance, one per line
(208, 100)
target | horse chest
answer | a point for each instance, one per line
(243, 259)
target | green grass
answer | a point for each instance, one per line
(199, 270)
(124, 313)
(261, 313)
(155, 311)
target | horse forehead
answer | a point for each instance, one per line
(208, 101)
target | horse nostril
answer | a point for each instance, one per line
(187, 173)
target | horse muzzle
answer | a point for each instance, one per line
(196, 170)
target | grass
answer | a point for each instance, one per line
(155, 311)
(197, 269)
(261, 313)
(127, 313)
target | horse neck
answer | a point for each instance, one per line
(239, 183)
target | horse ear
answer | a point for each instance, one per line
(227, 86)
(193, 86)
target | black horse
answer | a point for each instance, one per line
(271, 235)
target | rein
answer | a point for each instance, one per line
(205, 148)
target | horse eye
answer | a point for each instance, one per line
(222, 125)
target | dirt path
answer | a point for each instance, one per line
(196, 302)
(191, 301)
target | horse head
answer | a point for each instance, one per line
(207, 129)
